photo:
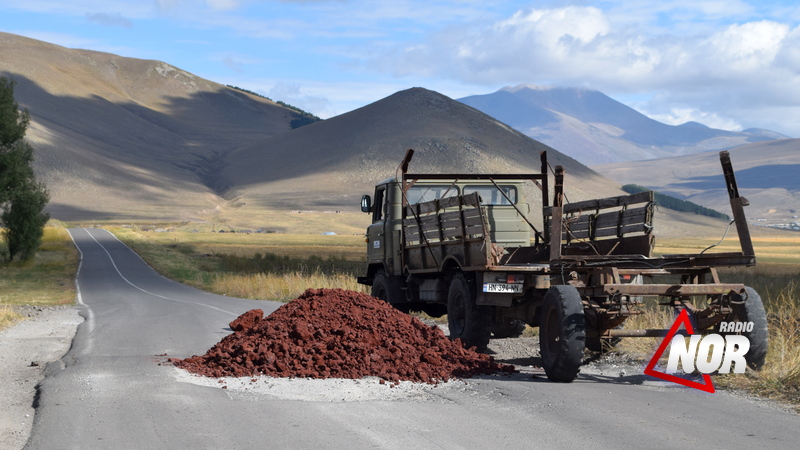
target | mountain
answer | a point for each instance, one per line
(329, 164)
(766, 174)
(123, 139)
(130, 138)
(595, 129)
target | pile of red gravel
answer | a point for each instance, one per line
(334, 333)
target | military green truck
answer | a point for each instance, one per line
(464, 245)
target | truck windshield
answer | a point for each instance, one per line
(420, 193)
(490, 195)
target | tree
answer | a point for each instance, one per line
(24, 221)
(22, 198)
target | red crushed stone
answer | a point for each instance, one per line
(247, 320)
(335, 333)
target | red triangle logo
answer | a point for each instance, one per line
(682, 319)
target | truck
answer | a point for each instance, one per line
(464, 245)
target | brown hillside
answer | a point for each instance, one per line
(328, 165)
(123, 137)
(766, 173)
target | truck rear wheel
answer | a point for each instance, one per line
(563, 333)
(467, 321)
(507, 327)
(387, 288)
(751, 309)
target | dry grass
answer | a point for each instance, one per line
(267, 286)
(258, 266)
(8, 317)
(780, 376)
(780, 291)
(47, 279)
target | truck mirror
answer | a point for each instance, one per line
(366, 204)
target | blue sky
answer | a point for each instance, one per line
(731, 64)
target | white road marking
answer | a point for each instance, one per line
(145, 290)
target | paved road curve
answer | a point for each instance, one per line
(110, 392)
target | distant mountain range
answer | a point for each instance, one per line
(127, 139)
(329, 164)
(766, 174)
(595, 129)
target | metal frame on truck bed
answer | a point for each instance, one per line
(462, 245)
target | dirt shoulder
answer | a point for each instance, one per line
(25, 350)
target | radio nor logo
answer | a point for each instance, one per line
(705, 354)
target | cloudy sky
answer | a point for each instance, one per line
(731, 64)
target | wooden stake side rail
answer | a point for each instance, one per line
(615, 223)
(452, 227)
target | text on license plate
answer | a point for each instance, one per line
(502, 287)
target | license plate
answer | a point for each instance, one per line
(502, 288)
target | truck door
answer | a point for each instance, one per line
(376, 234)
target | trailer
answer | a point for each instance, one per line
(463, 245)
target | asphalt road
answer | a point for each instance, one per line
(110, 392)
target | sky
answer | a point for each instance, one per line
(730, 64)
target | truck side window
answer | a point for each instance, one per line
(377, 208)
(424, 193)
(492, 196)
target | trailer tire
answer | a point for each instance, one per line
(751, 309)
(467, 321)
(562, 339)
(388, 289)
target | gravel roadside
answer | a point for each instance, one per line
(25, 350)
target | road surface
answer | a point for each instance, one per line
(109, 390)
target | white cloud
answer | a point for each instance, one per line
(113, 20)
(716, 74)
(750, 46)
(679, 116)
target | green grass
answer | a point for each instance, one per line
(46, 280)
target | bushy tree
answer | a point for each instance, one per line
(24, 221)
(22, 198)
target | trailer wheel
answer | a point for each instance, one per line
(467, 321)
(751, 309)
(387, 288)
(562, 339)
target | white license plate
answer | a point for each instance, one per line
(502, 288)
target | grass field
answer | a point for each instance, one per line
(258, 266)
(46, 280)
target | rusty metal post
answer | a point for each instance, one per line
(737, 204)
(558, 215)
(545, 189)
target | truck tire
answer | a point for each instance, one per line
(467, 321)
(751, 309)
(507, 327)
(562, 339)
(388, 289)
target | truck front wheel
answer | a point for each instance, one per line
(387, 288)
(467, 321)
(562, 339)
